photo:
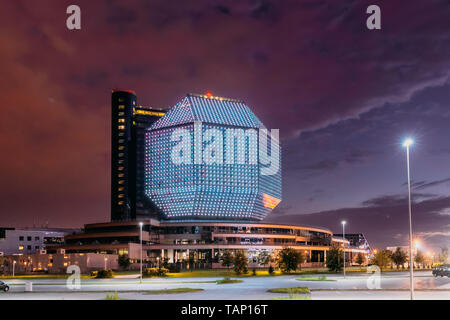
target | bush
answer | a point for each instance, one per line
(93, 273)
(173, 268)
(154, 272)
(104, 274)
(271, 270)
(254, 272)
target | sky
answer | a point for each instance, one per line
(342, 96)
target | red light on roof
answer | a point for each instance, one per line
(208, 94)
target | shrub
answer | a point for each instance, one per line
(271, 270)
(93, 273)
(254, 272)
(155, 272)
(173, 268)
(104, 274)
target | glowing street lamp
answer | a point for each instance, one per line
(106, 261)
(343, 236)
(407, 143)
(140, 238)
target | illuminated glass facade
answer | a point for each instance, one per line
(198, 188)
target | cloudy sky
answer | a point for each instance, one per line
(343, 97)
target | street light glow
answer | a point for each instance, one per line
(408, 142)
(344, 222)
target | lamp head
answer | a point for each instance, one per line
(141, 223)
(344, 222)
(407, 142)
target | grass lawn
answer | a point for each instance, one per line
(293, 290)
(321, 278)
(230, 273)
(292, 298)
(114, 296)
(228, 280)
(169, 291)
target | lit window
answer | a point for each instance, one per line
(121, 147)
(121, 189)
(20, 247)
(121, 168)
(121, 181)
(121, 195)
(122, 120)
(121, 140)
(121, 106)
(121, 114)
(121, 127)
(121, 175)
(120, 203)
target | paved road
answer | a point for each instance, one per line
(253, 288)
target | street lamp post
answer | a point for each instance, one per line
(406, 144)
(106, 260)
(14, 268)
(140, 238)
(343, 236)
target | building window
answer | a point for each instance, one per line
(121, 120)
(29, 247)
(121, 127)
(28, 238)
(121, 175)
(121, 181)
(121, 107)
(21, 247)
(120, 154)
(21, 238)
(36, 238)
(120, 203)
(121, 195)
(121, 140)
(36, 247)
(121, 114)
(121, 147)
(121, 189)
(120, 168)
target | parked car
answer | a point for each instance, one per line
(4, 286)
(441, 271)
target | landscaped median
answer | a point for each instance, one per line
(295, 293)
(321, 278)
(115, 296)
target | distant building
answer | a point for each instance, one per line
(129, 124)
(30, 240)
(58, 262)
(356, 240)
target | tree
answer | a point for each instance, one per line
(240, 263)
(443, 256)
(335, 259)
(399, 257)
(419, 258)
(360, 259)
(382, 258)
(264, 258)
(124, 261)
(289, 259)
(227, 259)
